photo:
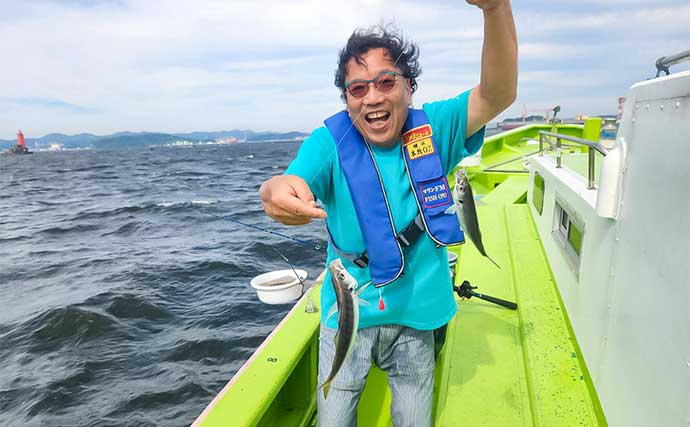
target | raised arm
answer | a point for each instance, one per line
(497, 87)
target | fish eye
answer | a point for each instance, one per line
(341, 276)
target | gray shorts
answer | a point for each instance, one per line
(406, 354)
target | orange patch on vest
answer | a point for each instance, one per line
(414, 135)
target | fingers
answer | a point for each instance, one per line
(302, 191)
(299, 209)
(288, 199)
(290, 210)
(295, 212)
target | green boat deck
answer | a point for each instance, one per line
(498, 367)
(504, 367)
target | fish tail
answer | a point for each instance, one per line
(325, 386)
(499, 267)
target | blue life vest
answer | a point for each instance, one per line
(386, 259)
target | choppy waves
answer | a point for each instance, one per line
(124, 302)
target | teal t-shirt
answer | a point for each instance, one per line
(422, 298)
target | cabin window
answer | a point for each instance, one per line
(564, 221)
(575, 238)
(538, 193)
(568, 231)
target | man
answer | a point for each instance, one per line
(379, 168)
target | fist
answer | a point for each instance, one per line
(289, 200)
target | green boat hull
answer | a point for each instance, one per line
(498, 367)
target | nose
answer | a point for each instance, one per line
(373, 95)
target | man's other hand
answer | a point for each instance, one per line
(288, 199)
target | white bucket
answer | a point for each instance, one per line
(452, 261)
(278, 287)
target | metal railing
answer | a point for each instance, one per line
(592, 146)
(664, 62)
(493, 167)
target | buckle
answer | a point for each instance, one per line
(361, 261)
(411, 233)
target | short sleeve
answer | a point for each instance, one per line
(448, 120)
(314, 162)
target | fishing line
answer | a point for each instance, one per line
(290, 264)
(310, 307)
(316, 246)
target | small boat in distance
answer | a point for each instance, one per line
(20, 148)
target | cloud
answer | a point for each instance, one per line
(46, 104)
(177, 65)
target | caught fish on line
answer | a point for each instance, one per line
(347, 306)
(466, 210)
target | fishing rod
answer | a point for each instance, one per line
(316, 246)
(466, 291)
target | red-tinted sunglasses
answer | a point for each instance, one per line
(383, 82)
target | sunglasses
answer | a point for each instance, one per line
(384, 82)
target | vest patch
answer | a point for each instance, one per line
(435, 193)
(414, 135)
(420, 148)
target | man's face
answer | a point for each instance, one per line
(378, 116)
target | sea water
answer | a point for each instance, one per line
(122, 302)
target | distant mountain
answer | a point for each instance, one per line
(59, 138)
(270, 136)
(131, 140)
(212, 136)
(242, 135)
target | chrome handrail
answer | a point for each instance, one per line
(493, 167)
(664, 62)
(592, 146)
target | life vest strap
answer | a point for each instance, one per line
(407, 237)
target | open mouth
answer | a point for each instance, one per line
(377, 119)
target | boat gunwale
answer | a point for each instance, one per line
(255, 355)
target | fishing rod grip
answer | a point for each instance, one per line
(501, 302)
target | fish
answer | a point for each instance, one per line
(347, 301)
(466, 211)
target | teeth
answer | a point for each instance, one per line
(376, 115)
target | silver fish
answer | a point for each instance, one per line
(466, 211)
(347, 300)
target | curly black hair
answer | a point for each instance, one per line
(405, 54)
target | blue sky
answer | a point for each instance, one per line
(177, 66)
